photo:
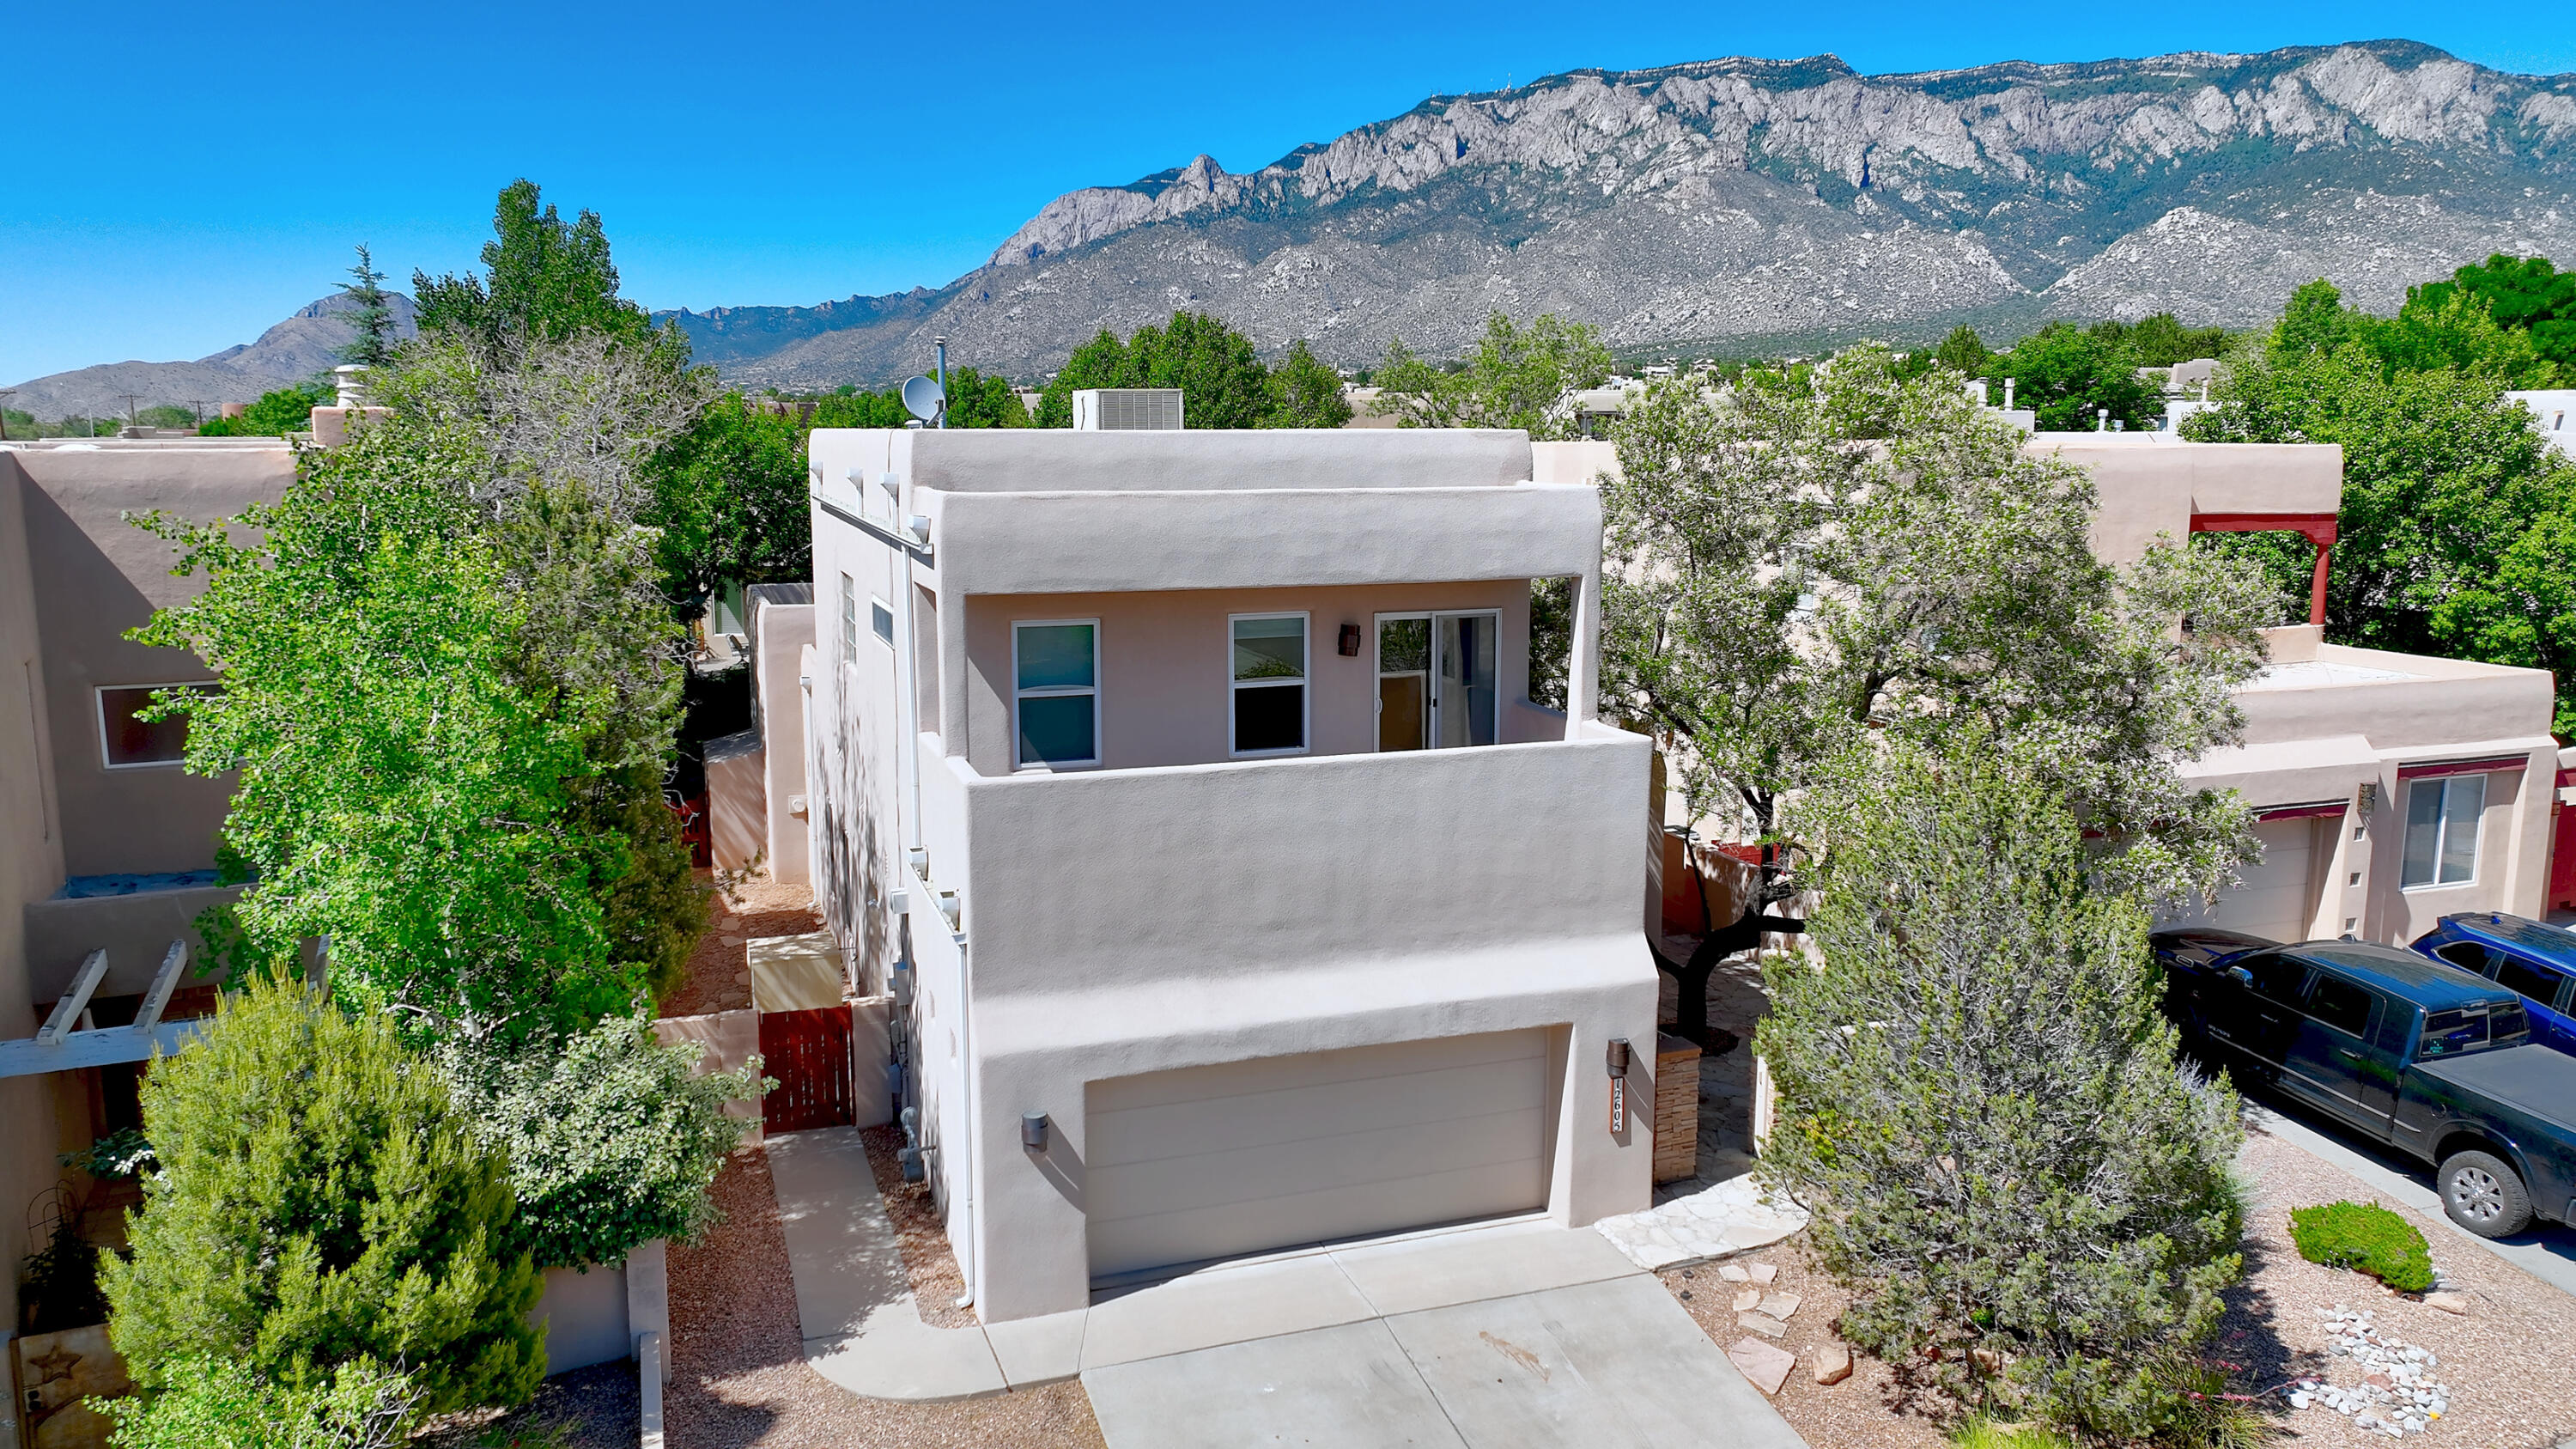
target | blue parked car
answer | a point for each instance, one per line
(2537, 962)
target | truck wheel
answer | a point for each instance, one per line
(2484, 1195)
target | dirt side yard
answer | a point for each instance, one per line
(2509, 1363)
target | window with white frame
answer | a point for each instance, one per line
(2442, 830)
(1269, 707)
(849, 620)
(127, 741)
(1055, 693)
(881, 619)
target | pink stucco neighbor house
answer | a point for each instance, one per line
(1187, 786)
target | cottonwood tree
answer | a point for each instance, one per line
(2025, 1193)
(1802, 562)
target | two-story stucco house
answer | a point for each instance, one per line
(1186, 786)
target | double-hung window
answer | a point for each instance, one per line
(1055, 693)
(2442, 830)
(849, 620)
(1269, 688)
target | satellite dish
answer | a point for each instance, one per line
(923, 399)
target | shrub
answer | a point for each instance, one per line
(320, 1202)
(58, 1285)
(611, 1142)
(2365, 1237)
(1980, 1432)
(208, 1403)
(2019, 1186)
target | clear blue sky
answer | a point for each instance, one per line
(180, 176)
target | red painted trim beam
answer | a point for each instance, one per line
(2492, 765)
(2301, 812)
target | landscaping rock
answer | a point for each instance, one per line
(1765, 1364)
(1733, 1273)
(1762, 1323)
(1764, 1273)
(2449, 1302)
(1781, 1306)
(1748, 1299)
(1833, 1364)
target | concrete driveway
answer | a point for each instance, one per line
(1426, 1360)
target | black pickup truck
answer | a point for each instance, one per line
(2407, 1050)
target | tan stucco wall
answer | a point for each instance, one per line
(30, 868)
(1165, 664)
(2149, 484)
(95, 576)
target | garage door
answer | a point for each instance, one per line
(2277, 899)
(1213, 1162)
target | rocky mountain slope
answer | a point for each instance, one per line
(302, 346)
(1725, 205)
(1756, 202)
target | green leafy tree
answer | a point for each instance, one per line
(2452, 504)
(166, 415)
(981, 400)
(213, 1403)
(2161, 340)
(2059, 1250)
(611, 1142)
(851, 408)
(2522, 293)
(2070, 377)
(1809, 561)
(1304, 393)
(1518, 377)
(544, 280)
(371, 316)
(730, 501)
(276, 414)
(321, 1204)
(1221, 377)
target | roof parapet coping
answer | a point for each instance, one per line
(1027, 460)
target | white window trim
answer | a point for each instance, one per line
(98, 711)
(849, 619)
(2441, 829)
(878, 606)
(1059, 691)
(1305, 683)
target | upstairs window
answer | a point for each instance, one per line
(881, 619)
(1055, 694)
(127, 742)
(1269, 687)
(2442, 830)
(849, 620)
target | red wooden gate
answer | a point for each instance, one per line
(809, 1053)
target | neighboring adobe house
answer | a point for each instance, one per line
(106, 845)
(1186, 787)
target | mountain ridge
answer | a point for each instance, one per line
(1741, 203)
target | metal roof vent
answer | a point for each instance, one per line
(1126, 409)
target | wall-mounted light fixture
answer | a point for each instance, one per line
(1618, 1064)
(1033, 1131)
(1619, 1056)
(1350, 641)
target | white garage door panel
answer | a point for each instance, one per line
(2274, 899)
(1216, 1161)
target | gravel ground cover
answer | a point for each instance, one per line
(738, 1373)
(927, 1259)
(598, 1407)
(2507, 1366)
(718, 977)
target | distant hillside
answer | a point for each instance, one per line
(300, 347)
(1745, 202)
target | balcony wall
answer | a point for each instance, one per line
(1211, 873)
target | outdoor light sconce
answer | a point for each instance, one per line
(1350, 641)
(1618, 1063)
(1033, 1131)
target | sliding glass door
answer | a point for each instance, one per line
(1436, 682)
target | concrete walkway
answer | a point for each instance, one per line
(1512, 1334)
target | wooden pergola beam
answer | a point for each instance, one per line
(174, 964)
(72, 1003)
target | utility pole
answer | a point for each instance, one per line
(130, 399)
(198, 406)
